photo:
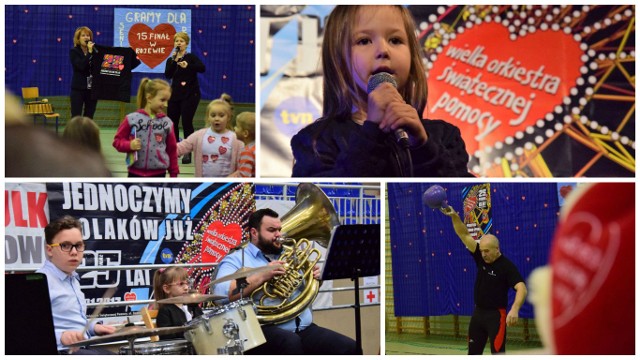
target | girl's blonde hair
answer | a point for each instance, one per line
(84, 131)
(76, 36)
(165, 276)
(150, 87)
(247, 121)
(341, 94)
(182, 35)
(226, 102)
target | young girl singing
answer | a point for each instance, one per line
(167, 283)
(148, 133)
(356, 136)
(216, 147)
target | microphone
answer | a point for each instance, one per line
(94, 46)
(384, 77)
(177, 51)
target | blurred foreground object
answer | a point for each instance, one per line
(590, 309)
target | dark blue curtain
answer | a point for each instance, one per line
(433, 273)
(38, 39)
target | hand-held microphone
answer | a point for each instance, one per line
(94, 46)
(177, 51)
(384, 77)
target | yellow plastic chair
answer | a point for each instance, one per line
(37, 107)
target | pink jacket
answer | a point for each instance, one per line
(158, 154)
(194, 144)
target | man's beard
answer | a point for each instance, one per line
(267, 246)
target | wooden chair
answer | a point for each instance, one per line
(37, 107)
(148, 316)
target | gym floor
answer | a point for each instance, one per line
(419, 344)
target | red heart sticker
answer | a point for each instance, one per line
(214, 158)
(130, 296)
(565, 190)
(152, 46)
(218, 239)
(183, 83)
(211, 139)
(121, 67)
(225, 140)
(158, 137)
(493, 87)
(205, 158)
(222, 150)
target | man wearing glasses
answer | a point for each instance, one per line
(65, 250)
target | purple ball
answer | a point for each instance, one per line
(435, 197)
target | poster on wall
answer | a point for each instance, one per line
(130, 224)
(476, 202)
(536, 90)
(149, 32)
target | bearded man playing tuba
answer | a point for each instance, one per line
(289, 335)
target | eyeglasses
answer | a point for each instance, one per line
(181, 283)
(66, 247)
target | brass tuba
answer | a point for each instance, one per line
(312, 218)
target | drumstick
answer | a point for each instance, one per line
(107, 294)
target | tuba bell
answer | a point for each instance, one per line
(312, 219)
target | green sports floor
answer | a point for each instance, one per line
(419, 344)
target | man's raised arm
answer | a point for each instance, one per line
(460, 228)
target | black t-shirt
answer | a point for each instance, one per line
(494, 281)
(111, 69)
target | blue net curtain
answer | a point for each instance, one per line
(433, 273)
(38, 40)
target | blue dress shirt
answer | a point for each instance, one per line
(68, 304)
(253, 257)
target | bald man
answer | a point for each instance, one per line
(496, 275)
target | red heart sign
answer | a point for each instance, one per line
(214, 158)
(218, 239)
(211, 139)
(225, 139)
(205, 158)
(129, 296)
(152, 45)
(222, 150)
(492, 87)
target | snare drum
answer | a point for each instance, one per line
(168, 347)
(210, 333)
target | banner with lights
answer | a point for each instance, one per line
(476, 202)
(537, 91)
(131, 224)
(149, 32)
